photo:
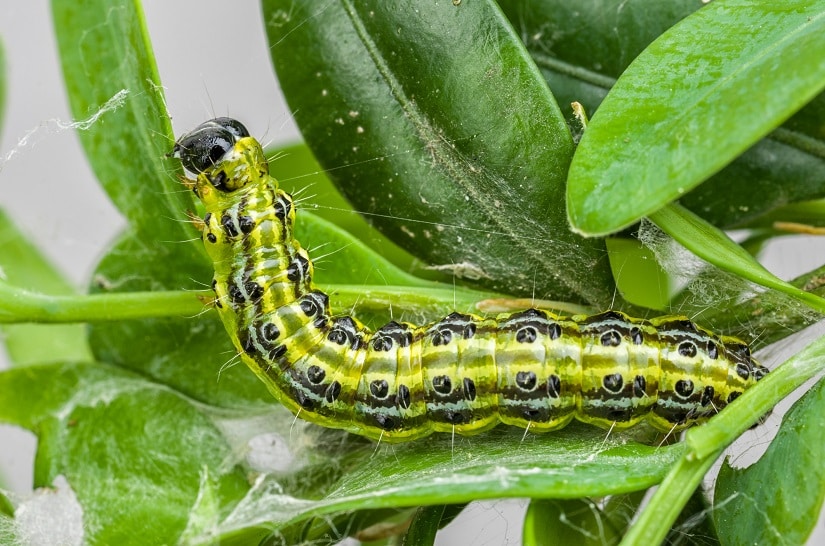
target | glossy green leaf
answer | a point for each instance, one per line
(727, 87)
(340, 258)
(712, 245)
(638, 275)
(438, 126)
(567, 464)
(777, 500)
(115, 93)
(23, 266)
(300, 175)
(581, 49)
(784, 167)
(574, 522)
(115, 436)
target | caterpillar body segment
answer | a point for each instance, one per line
(464, 373)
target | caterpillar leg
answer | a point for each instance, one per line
(196, 221)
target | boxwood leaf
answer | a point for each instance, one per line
(777, 500)
(434, 122)
(581, 49)
(726, 87)
(136, 455)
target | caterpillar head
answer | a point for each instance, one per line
(222, 154)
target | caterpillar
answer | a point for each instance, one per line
(463, 373)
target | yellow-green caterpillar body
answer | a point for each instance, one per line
(462, 374)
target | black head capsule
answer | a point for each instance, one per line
(232, 125)
(204, 147)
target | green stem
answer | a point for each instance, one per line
(724, 428)
(706, 443)
(18, 305)
(666, 504)
(420, 299)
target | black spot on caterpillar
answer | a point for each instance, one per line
(463, 373)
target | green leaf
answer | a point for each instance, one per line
(6, 509)
(641, 279)
(777, 500)
(810, 213)
(23, 266)
(300, 174)
(424, 525)
(115, 436)
(712, 245)
(782, 168)
(727, 87)
(582, 47)
(439, 127)
(575, 521)
(570, 463)
(350, 260)
(113, 86)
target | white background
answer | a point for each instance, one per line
(213, 60)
